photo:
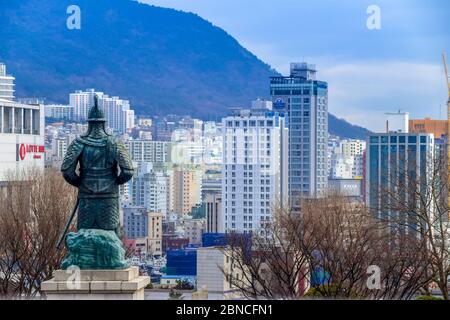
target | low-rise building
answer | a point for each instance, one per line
(215, 271)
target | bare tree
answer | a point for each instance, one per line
(345, 241)
(330, 245)
(33, 213)
(270, 264)
(414, 202)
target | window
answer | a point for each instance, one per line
(36, 121)
(423, 139)
(18, 120)
(7, 120)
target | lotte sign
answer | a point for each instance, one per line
(24, 149)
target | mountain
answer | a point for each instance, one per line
(342, 128)
(162, 60)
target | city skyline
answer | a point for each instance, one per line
(106, 194)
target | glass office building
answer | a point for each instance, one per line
(305, 99)
(396, 162)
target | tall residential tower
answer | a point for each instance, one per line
(255, 165)
(305, 100)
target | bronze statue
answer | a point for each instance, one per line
(104, 165)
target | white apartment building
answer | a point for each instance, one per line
(59, 147)
(255, 168)
(59, 111)
(119, 116)
(352, 148)
(150, 189)
(341, 167)
(149, 151)
(6, 84)
(21, 137)
(82, 101)
(346, 159)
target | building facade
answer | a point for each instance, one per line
(346, 159)
(437, 127)
(119, 115)
(149, 151)
(144, 227)
(214, 214)
(186, 190)
(6, 84)
(395, 163)
(151, 189)
(305, 100)
(255, 168)
(212, 263)
(59, 111)
(22, 143)
(194, 230)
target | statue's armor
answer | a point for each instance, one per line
(98, 181)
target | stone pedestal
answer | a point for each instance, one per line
(96, 285)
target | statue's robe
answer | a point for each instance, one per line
(104, 164)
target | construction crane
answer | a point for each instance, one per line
(448, 105)
(448, 118)
(448, 102)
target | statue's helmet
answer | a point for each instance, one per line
(96, 114)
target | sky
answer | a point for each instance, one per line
(370, 72)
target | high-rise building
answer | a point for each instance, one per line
(150, 189)
(393, 161)
(255, 168)
(6, 84)
(305, 100)
(82, 101)
(119, 116)
(186, 190)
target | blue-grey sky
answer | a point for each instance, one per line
(369, 71)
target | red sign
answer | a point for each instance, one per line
(25, 149)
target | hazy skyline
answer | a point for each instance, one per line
(369, 71)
